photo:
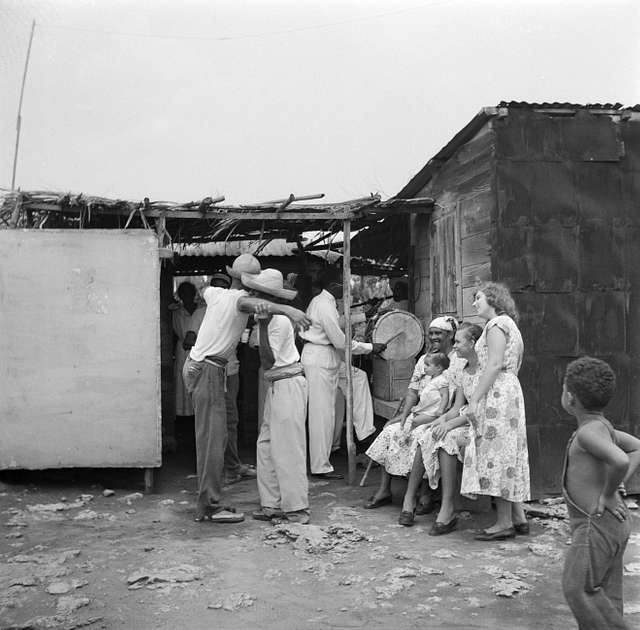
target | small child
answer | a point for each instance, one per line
(434, 398)
(395, 447)
(598, 458)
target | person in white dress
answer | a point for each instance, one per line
(186, 317)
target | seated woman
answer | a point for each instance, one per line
(443, 444)
(396, 444)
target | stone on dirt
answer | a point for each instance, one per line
(107, 492)
(130, 498)
(152, 578)
(234, 602)
(71, 603)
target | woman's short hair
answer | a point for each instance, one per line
(472, 331)
(499, 297)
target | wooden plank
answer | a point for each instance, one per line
(474, 273)
(476, 249)
(458, 256)
(80, 368)
(346, 281)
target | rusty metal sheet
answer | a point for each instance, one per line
(591, 138)
(526, 135)
(599, 191)
(630, 133)
(543, 256)
(512, 258)
(535, 192)
(533, 136)
(602, 256)
(603, 322)
(548, 322)
(631, 197)
(555, 248)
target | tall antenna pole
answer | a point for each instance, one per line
(19, 121)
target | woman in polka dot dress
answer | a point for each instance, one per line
(496, 410)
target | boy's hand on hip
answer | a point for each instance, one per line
(614, 504)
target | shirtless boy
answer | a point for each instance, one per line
(598, 459)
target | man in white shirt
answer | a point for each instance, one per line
(321, 356)
(205, 376)
(282, 443)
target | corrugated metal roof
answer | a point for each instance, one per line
(277, 247)
(558, 105)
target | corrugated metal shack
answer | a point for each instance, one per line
(544, 197)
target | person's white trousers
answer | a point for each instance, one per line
(321, 365)
(362, 405)
(281, 450)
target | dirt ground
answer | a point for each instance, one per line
(71, 558)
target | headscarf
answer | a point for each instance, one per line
(444, 323)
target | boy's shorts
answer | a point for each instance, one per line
(592, 577)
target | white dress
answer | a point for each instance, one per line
(395, 448)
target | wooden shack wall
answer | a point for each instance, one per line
(450, 248)
(566, 240)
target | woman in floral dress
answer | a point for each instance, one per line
(440, 333)
(447, 441)
(496, 409)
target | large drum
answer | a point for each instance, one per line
(401, 330)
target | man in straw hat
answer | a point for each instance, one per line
(321, 358)
(282, 443)
(204, 375)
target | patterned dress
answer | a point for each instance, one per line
(501, 466)
(457, 442)
(395, 447)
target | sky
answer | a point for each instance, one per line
(255, 100)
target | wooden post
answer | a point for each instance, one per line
(346, 296)
(19, 119)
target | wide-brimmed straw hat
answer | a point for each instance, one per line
(245, 263)
(268, 281)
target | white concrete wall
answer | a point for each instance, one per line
(79, 349)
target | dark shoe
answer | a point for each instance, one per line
(425, 508)
(264, 514)
(329, 475)
(503, 534)
(406, 518)
(374, 503)
(521, 529)
(439, 529)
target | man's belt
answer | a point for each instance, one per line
(286, 371)
(219, 362)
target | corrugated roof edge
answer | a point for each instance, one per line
(423, 176)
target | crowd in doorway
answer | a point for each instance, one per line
(460, 429)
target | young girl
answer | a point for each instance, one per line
(395, 447)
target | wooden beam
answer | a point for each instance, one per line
(209, 215)
(346, 295)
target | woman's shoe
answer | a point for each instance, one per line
(521, 529)
(439, 529)
(406, 518)
(374, 503)
(501, 534)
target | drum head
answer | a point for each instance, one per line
(405, 332)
